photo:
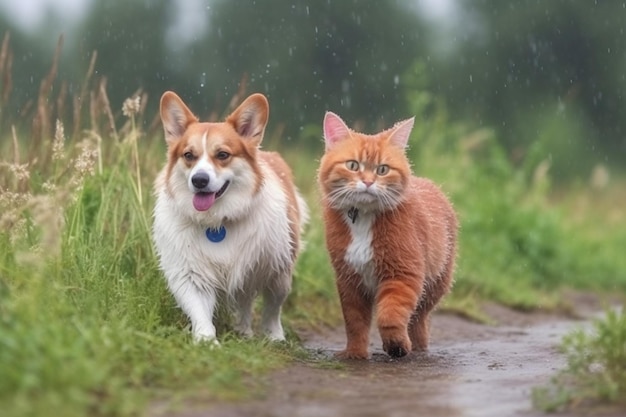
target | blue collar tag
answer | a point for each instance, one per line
(216, 235)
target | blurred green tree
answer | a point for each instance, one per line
(524, 66)
(549, 72)
(129, 38)
(309, 57)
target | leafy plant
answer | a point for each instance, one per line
(596, 367)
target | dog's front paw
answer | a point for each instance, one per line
(206, 339)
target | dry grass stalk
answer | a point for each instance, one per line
(238, 97)
(4, 51)
(61, 101)
(80, 99)
(63, 164)
(23, 208)
(42, 124)
(106, 107)
(6, 63)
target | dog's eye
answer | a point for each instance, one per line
(222, 155)
(189, 156)
(382, 169)
(352, 165)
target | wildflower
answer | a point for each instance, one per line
(85, 162)
(17, 230)
(9, 199)
(20, 171)
(131, 106)
(49, 187)
(58, 143)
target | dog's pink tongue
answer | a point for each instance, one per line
(203, 201)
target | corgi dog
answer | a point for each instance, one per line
(227, 218)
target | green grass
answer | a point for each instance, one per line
(596, 370)
(92, 329)
(87, 326)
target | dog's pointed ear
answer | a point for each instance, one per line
(176, 116)
(250, 118)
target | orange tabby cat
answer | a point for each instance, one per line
(391, 237)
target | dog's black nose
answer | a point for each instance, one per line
(200, 180)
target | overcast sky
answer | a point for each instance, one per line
(189, 18)
(28, 14)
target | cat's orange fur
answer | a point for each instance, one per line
(391, 237)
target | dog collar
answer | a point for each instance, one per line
(216, 235)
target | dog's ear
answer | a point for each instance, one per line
(250, 118)
(176, 116)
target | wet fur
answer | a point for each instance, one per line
(261, 210)
(395, 259)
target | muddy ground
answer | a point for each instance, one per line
(471, 369)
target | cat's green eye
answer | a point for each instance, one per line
(382, 170)
(352, 165)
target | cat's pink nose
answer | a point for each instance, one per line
(368, 183)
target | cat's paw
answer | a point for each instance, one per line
(396, 341)
(351, 354)
(396, 348)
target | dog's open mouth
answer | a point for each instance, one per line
(202, 201)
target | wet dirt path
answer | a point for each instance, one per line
(470, 370)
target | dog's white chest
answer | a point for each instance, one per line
(359, 254)
(227, 258)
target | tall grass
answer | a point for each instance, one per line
(87, 326)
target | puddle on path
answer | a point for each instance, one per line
(470, 370)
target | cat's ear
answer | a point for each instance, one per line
(401, 131)
(335, 129)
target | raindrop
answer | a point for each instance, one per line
(396, 80)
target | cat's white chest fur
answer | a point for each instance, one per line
(360, 254)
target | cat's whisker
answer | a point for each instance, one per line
(390, 198)
(338, 197)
